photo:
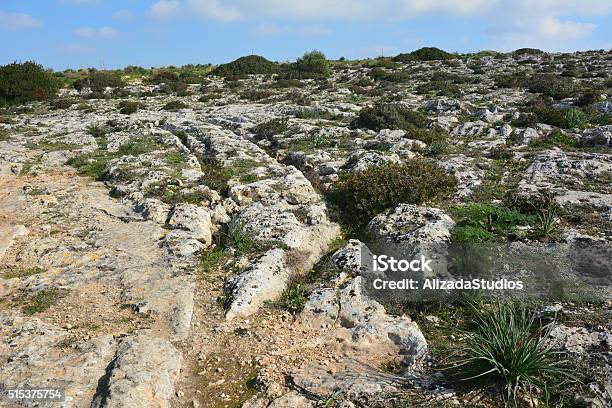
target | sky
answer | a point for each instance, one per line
(108, 34)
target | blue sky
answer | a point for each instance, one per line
(116, 33)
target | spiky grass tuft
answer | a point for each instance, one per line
(508, 345)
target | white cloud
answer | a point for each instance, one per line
(548, 33)
(268, 29)
(551, 27)
(234, 10)
(18, 21)
(568, 7)
(454, 7)
(318, 10)
(103, 33)
(215, 10)
(122, 15)
(165, 9)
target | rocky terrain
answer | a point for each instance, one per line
(164, 248)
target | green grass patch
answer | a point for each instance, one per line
(22, 273)
(483, 223)
(43, 300)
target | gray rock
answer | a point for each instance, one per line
(194, 219)
(601, 136)
(291, 399)
(141, 375)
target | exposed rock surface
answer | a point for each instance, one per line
(179, 276)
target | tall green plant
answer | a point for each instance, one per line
(26, 82)
(507, 344)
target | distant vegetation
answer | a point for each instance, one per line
(249, 65)
(312, 64)
(98, 81)
(424, 54)
(25, 82)
(389, 116)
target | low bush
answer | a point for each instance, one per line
(25, 82)
(439, 88)
(267, 130)
(129, 107)
(248, 65)
(405, 57)
(256, 94)
(389, 116)
(210, 96)
(360, 196)
(528, 51)
(588, 98)
(513, 80)
(556, 138)
(62, 103)
(163, 77)
(430, 54)
(551, 85)
(175, 105)
(581, 118)
(98, 81)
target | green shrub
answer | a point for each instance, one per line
(96, 130)
(292, 299)
(26, 82)
(361, 196)
(396, 76)
(508, 344)
(63, 103)
(551, 85)
(267, 130)
(405, 57)
(98, 81)
(43, 300)
(430, 54)
(439, 88)
(469, 234)
(314, 62)
(528, 51)
(210, 96)
(256, 94)
(377, 73)
(576, 118)
(556, 138)
(488, 223)
(389, 116)
(163, 77)
(129, 107)
(138, 146)
(249, 65)
(514, 80)
(588, 98)
(580, 118)
(175, 105)
(4, 135)
(363, 82)
(177, 87)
